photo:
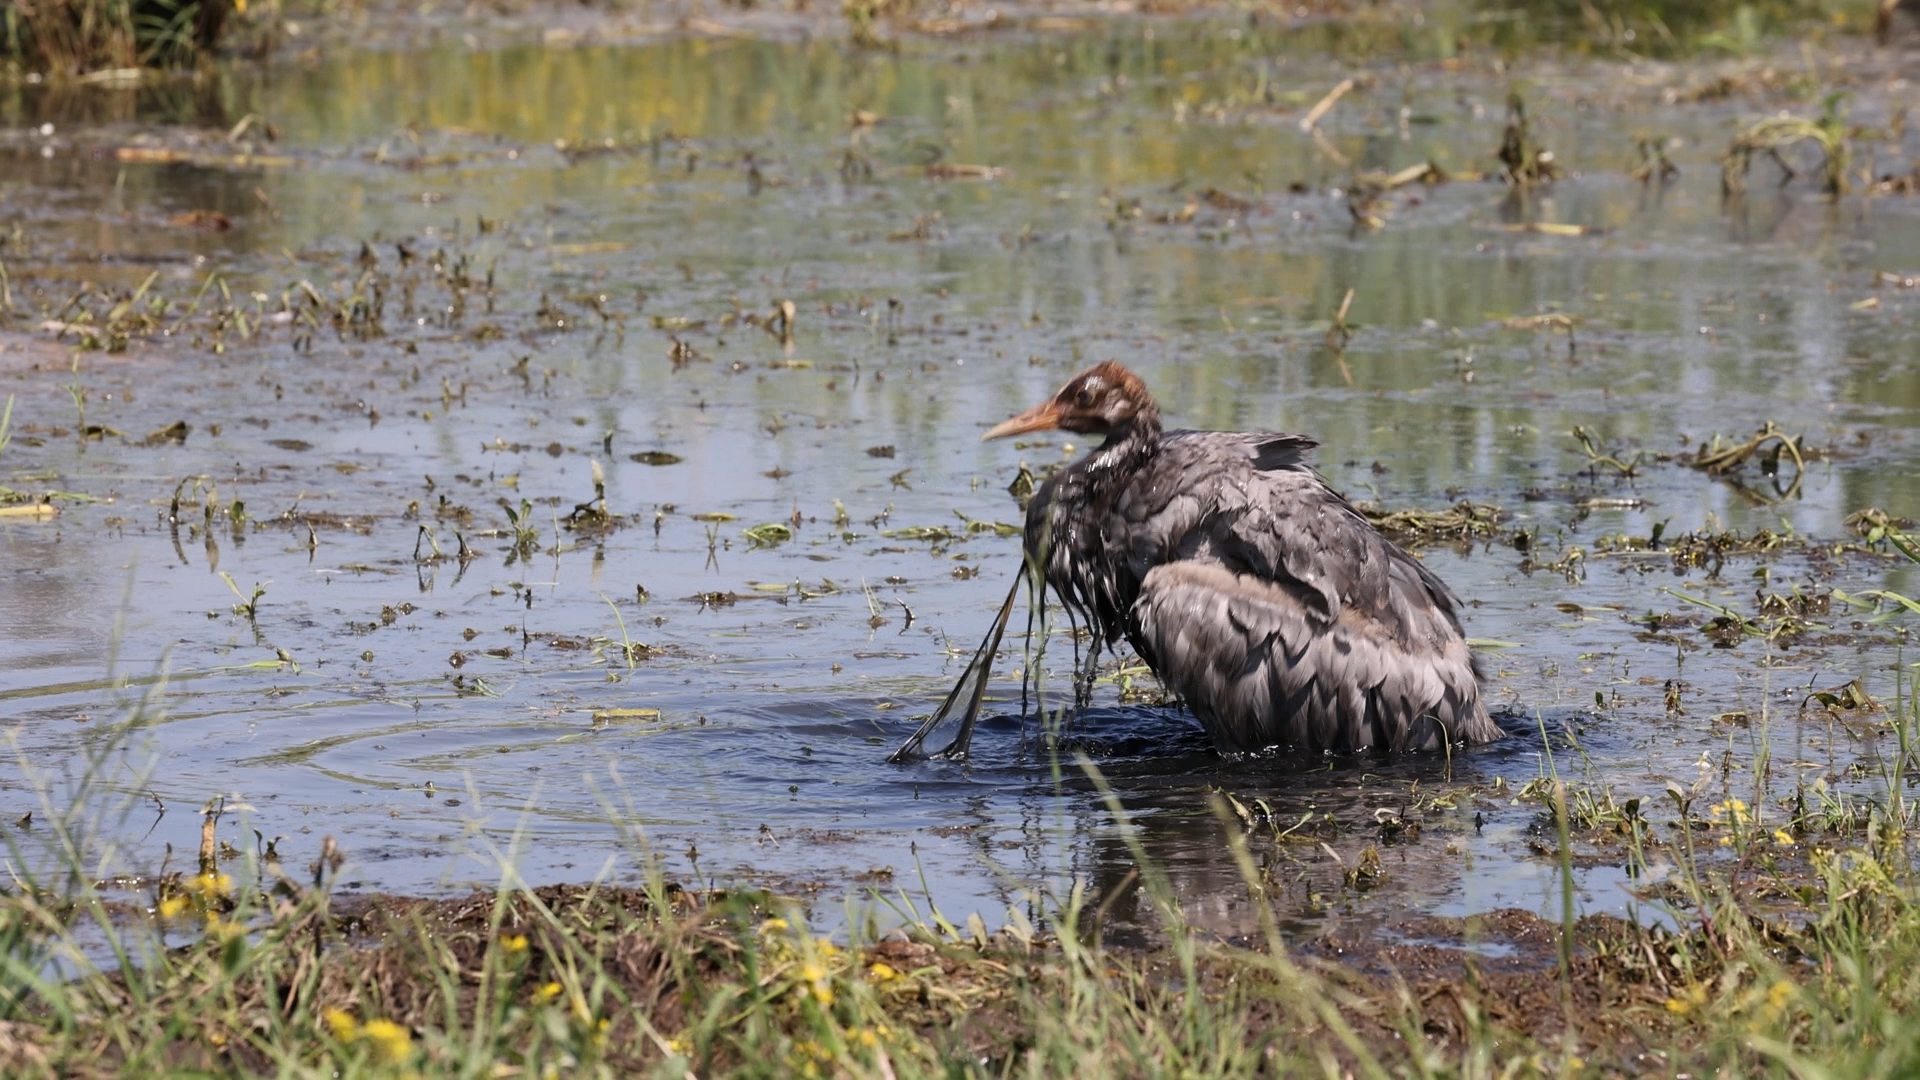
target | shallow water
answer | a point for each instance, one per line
(438, 715)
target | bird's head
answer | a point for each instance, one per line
(1101, 400)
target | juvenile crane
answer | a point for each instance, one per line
(1255, 592)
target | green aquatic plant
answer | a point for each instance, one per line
(1879, 527)
(1775, 134)
(1524, 163)
(865, 16)
(249, 604)
(770, 534)
(1597, 457)
(630, 650)
(1654, 164)
(1465, 520)
(526, 533)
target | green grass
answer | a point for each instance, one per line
(74, 37)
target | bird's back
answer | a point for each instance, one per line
(1276, 611)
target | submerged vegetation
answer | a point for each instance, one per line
(1775, 136)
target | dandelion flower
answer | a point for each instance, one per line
(341, 1023)
(209, 885)
(1694, 1000)
(816, 976)
(391, 1041)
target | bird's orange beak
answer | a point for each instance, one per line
(1042, 417)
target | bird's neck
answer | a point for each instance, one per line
(1127, 449)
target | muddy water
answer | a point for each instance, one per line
(533, 311)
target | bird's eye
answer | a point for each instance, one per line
(1083, 397)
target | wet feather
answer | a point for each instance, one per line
(1256, 592)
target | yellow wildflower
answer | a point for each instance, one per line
(341, 1023)
(222, 930)
(209, 885)
(1778, 995)
(882, 972)
(772, 926)
(1783, 837)
(1695, 999)
(172, 906)
(548, 991)
(514, 943)
(391, 1041)
(816, 977)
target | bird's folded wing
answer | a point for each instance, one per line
(1256, 664)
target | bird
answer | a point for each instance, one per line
(1255, 592)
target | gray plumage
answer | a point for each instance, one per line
(1254, 591)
